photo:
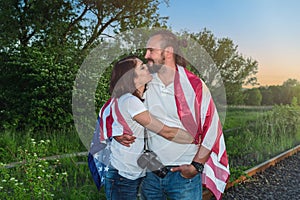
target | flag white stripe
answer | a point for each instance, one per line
(206, 98)
(222, 147)
(187, 90)
(214, 157)
(212, 133)
(117, 128)
(221, 185)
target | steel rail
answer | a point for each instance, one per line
(252, 171)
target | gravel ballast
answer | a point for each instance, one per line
(280, 182)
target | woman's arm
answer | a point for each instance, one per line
(171, 133)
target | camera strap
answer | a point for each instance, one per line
(145, 140)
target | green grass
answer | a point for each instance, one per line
(252, 135)
(240, 116)
(65, 178)
(63, 141)
(261, 138)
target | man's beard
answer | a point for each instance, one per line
(155, 67)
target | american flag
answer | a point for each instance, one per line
(199, 116)
(109, 123)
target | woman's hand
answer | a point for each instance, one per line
(125, 139)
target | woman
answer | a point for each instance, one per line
(128, 83)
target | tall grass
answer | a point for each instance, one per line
(240, 116)
(62, 141)
(36, 178)
(268, 135)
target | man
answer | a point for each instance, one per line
(179, 98)
(191, 109)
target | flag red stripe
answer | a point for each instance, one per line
(183, 110)
(220, 173)
(100, 118)
(213, 188)
(208, 117)
(121, 120)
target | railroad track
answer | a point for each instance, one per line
(207, 195)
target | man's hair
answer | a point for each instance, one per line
(168, 39)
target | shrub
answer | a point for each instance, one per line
(34, 178)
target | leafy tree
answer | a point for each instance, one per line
(80, 22)
(289, 90)
(297, 94)
(235, 69)
(287, 93)
(39, 92)
(267, 98)
(291, 83)
(43, 43)
(253, 97)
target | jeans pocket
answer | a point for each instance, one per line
(196, 178)
(183, 176)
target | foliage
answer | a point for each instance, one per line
(235, 69)
(36, 178)
(42, 46)
(283, 94)
(253, 97)
(78, 184)
(36, 90)
(82, 23)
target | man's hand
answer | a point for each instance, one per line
(125, 139)
(187, 171)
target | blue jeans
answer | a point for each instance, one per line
(173, 186)
(120, 188)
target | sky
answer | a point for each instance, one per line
(267, 31)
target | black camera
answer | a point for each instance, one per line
(150, 161)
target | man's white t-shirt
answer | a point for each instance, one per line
(123, 158)
(160, 101)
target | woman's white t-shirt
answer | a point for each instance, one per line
(123, 158)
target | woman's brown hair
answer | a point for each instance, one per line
(122, 77)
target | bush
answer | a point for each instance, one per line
(35, 178)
